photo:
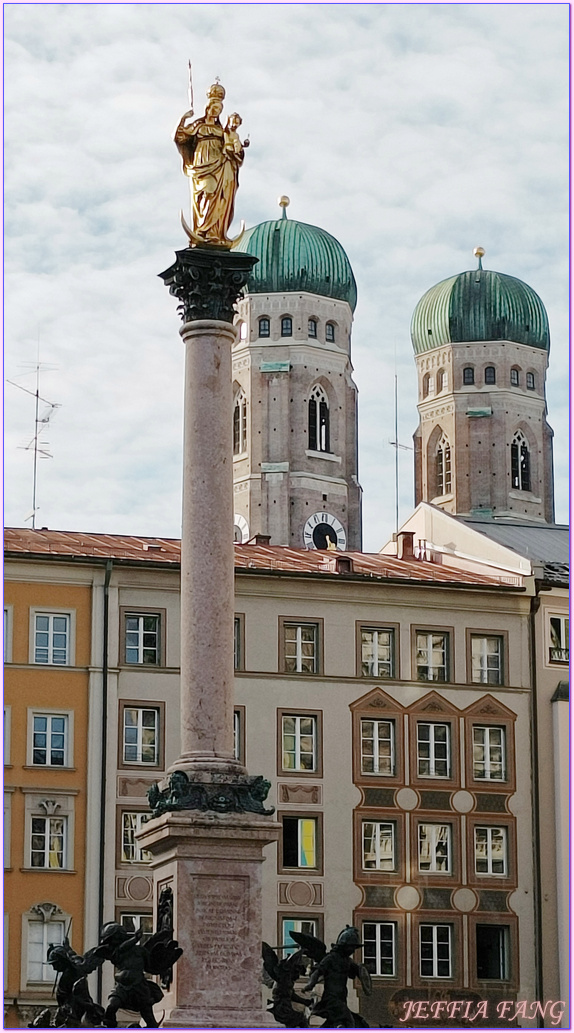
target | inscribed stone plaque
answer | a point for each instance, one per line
(220, 918)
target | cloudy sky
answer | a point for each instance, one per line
(411, 132)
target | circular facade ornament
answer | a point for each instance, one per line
(300, 893)
(407, 799)
(463, 801)
(408, 898)
(240, 529)
(464, 899)
(138, 888)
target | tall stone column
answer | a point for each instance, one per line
(210, 824)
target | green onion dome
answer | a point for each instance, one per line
(294, 256)
(479, 305)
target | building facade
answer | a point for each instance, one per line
(389, 703)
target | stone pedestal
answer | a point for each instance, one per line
(212, 863)
(210, 826)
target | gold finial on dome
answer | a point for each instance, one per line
(283, 203)
(478, 253)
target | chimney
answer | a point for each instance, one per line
(405, 549)
(261, 539)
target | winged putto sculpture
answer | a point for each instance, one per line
(334, 968)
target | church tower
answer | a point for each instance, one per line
(483, 445)
(295, 463)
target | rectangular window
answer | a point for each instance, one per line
(432, 659)
(132, 822)
(132, 921)
(435, 951)
(300, 843)
(300, 648)
(237, 734)
(486, 653)
(40, 936)
(490, 857)
(492, 952)
(299, 742)
(48, 843)
(51, 638)
(379, 846)
(379, 950)
(559, 640)
(377, 747)
(434, 848)
(237, 651)
(377, 652)
(296, 925)
(50, 739)
(141, 735)
(488, 753)
(433, 750)
(142, 638)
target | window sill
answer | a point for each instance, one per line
(240, 455)
(51, 871)
(442, 498)
(329, 456)
(524, 496)
(47, 767)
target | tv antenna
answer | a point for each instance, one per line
(41, 421)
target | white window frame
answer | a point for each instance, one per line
(434, 833)
(376, 740)
(298, 924)
(140, 617)
(479, 660)
(487, 762)
(382, 863)
(490, 859)
(432, 759)
(139, 744)
(298, 735)
(435, 945)
(48, 611)
(374, 662)
(49, 821)
(51, 918)
(299, 658)
(47, 803)
(377, 939)
(8, 632)
(299, 819)
(7, 734)
(141, 818)
(8, 791)
(49, 712)
(428, 649)
(137, 919)
(564, 648)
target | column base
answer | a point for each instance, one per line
(218, 1018)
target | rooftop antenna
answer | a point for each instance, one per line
(396, 445)
(41, 421)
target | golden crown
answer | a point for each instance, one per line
(216, 92)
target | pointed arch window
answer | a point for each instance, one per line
(319, 429)
(240, 424)
(443, 467)
(520, 462)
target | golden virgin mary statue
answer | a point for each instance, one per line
(212, 156)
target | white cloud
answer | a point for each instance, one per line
(410, 132)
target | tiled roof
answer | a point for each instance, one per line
(131, 548)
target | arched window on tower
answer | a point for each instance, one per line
(520, 462)
(312, 328)
(240, 424)
(468, 375)
(443, 467)
(490, 375)
(264, 326)
(428, 385)
(286, 326)
(319, 434)
(442, 380)
(330, 332)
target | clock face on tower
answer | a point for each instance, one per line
(323, 528)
